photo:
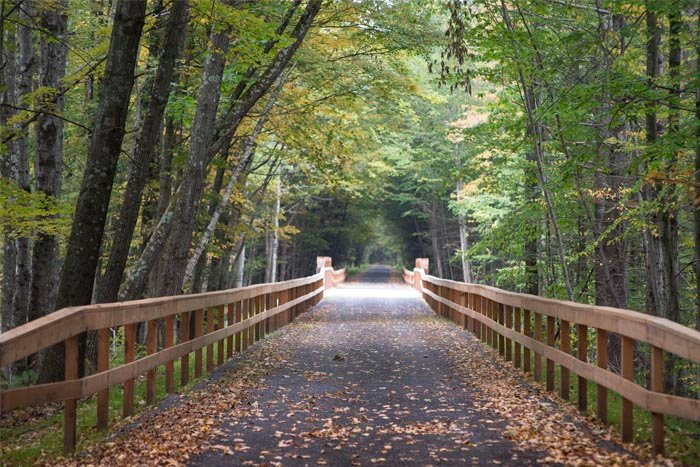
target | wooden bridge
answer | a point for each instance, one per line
(532, 333)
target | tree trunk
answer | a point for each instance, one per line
(434, 239)
(8, 170)
(696, 191)
(49, 153)
(185, 203)
(240, 267)
(247, 153)
(159, 92)
(82, 253)
(271, 270)
(668, 220)
(24, 88)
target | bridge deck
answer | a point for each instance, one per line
(369, 376)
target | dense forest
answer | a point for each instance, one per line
(161, 147)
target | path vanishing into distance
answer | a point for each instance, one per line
(369, 376)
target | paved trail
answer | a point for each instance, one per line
(369, 376)
(373, 384)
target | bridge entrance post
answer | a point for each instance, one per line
(421, 269)
(325, 264)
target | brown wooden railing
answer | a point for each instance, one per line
(231, 320)
(518, 324)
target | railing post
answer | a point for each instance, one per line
(239, 310)
(421, 267)
(538, 337)
(527, 330)
(185, 359)
(500, 309)
(151, 342)
(626, 417)
(565, 347)
(70, 417)
(129, 355)
(229, 339)
(509, 325)
(582, 344)
(103, 365)
(517, 328)
(325, 264)
(198, 352)
(550, 362)
(169, 341)
(220, 346)
(245, 314)
(657, 385)
(602, 362)
(210, 347)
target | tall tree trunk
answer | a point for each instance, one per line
(435, 240)
(240, 267)
(248, 147)
(530, 104)
(25, 64)
(182, 211)
(8, 170)
(271, 270)
(190, 189)
(668, 220)
(696, 191)
(82, 254)
(159, 92)
(49, 153)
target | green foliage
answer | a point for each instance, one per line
(25, 214)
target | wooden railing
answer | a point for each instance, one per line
(339, 276)
(231, 320)
(518, 324)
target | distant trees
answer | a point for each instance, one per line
(580, 183)
(159, 126)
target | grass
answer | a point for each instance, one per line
(26, 443)
(352, 269)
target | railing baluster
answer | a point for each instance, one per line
(220, 352)
(70, 416)
(582, 344)
(483, 309)
(527, 330)
(185, 359)
(103, 365)
(129, 355)
(210, 347)
(169, 341)
(517, 328)
(261, 324)
(229, 339)
(538, 337)
(565, 346)
(626, 418)
(550, 362)
(500, 309)
(509, 325)
(602, 362)
(244, 316)
(198, 333)
(239, 318)
(657, 385)
(151, 342)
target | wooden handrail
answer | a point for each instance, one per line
(663, 333)
(504, 320)
(55, 327)
(248, 313)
